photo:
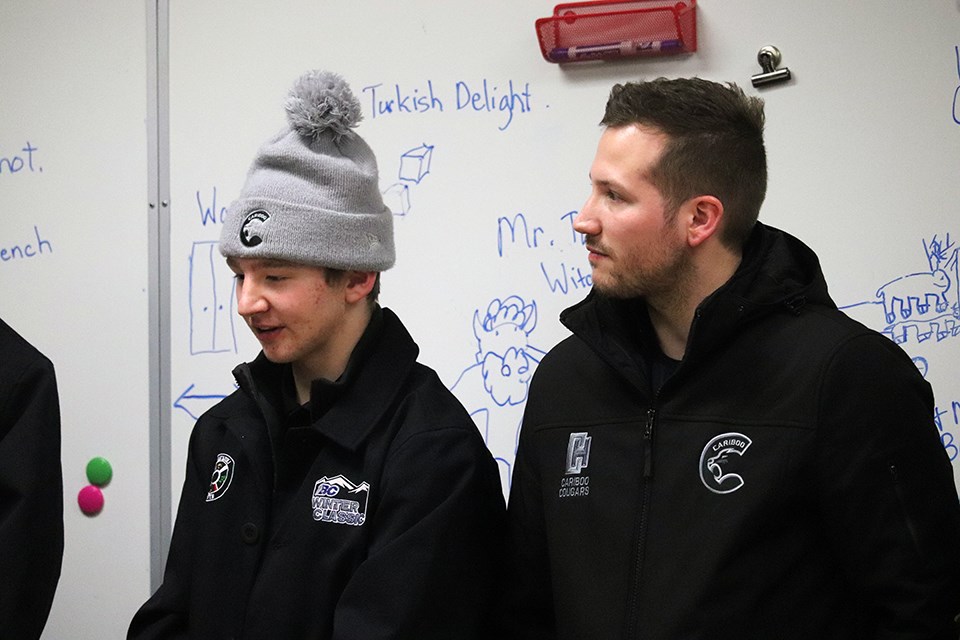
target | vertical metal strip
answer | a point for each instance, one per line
(158, 140)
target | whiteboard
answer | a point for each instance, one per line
(484, 150)
(74, 275)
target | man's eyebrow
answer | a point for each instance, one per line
(607, 184)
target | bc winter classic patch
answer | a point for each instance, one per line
(340, 501)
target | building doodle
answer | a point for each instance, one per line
(212, 301)
(414, 167)
(212, 313)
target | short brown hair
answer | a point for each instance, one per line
(714, 144)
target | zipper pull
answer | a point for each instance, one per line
(648, 444)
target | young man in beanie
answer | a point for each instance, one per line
(717, 452)
(341, 492)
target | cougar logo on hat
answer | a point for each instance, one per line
(250, 230)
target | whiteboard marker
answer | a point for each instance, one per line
(625, 48)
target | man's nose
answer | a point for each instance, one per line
(585, 222)
(250, 300)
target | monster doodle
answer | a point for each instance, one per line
(494, 388)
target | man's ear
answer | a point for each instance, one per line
(359, 284)
(705, 215)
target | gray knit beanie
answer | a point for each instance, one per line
(312, 194)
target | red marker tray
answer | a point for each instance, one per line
(614, 29)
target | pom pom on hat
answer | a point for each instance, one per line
(312, 194)
(322, 101)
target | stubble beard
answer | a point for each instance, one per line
(665, 279)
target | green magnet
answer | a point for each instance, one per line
(99, 471)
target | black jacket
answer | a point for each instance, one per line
(787, 481)
(31, 487)
(393, 532)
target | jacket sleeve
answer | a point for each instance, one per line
(434, 546)
(887, 491)
(31, 495)
(165, 615)
(524, 608)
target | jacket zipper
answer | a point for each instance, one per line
(648, 443)
(633, 609)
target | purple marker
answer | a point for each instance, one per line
(625, 48)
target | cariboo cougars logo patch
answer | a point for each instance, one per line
(251, 231)
(221, 478)
(340, 501)
(574, 483)
(719, 461)
(578, 452)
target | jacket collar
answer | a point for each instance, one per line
(778, 273)
(365, 392)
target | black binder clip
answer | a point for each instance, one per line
(769, 59)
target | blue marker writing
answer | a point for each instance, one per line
(610, 49)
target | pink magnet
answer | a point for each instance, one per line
(90, 500)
